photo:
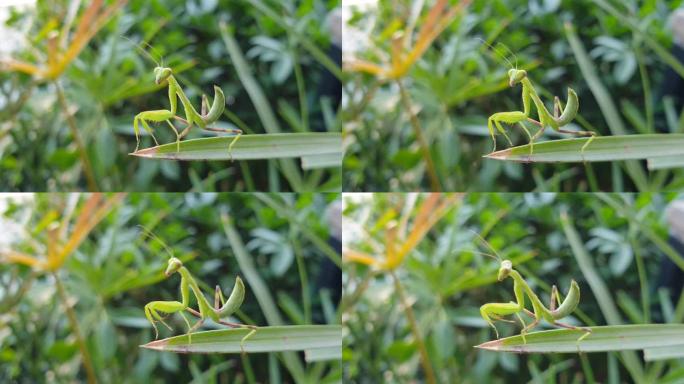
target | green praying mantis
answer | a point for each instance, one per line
(555, 121)
(203, 120)
(222, 307)
(495, 311)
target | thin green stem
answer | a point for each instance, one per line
(643, 279)
(422, 142)
(424, 357)
(73, 321)
(71, 122)
(303, 277)
(646, 85)
(301, 90)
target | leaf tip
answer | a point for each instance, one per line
(145, 152)
(492, 345)
(499, 155)
(156, 344)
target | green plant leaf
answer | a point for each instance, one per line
(326, 160)
(251, 147)
(601, 339)
(664, 353)
(665, 162)
(266, 339)
(604, 148)
(320, 354)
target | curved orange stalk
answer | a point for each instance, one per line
(432, 209)
(92, 20)
(400, 63)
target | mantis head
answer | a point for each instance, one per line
(161, 74)
(515, 76)
(505, 269)
(174, 265)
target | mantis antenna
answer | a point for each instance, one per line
(515, 57)
(500, 54)
(152, 236)
(485, 242)
(141, 50)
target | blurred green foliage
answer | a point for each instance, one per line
(459, 82)
(117, 270)
(446, 280)
(111, 81)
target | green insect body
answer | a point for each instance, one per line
(555, 121)
(495, 311)
(222, 308)
(202, 120)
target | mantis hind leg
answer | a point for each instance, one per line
(232, 131)
(253, 329)
(581, 133)
(587, 331)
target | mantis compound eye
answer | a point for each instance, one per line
(161, 74)
(174, 265)
(505, 269)
(515, 76)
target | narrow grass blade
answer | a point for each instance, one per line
(266, 339)
(665, 162)
(327, 160)
(602, 339)
(600, 290)
(664, 353)
(258, 98)
(321, 354)
(261, 291)
(604, 101)
(250, 147)
(603, 148)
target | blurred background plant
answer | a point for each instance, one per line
(445, 279)
(94, 330)
(618, 56)
(82, 57)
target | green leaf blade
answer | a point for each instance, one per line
(250, 147)
(601, 339)
(266, 339)
(603, 148)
